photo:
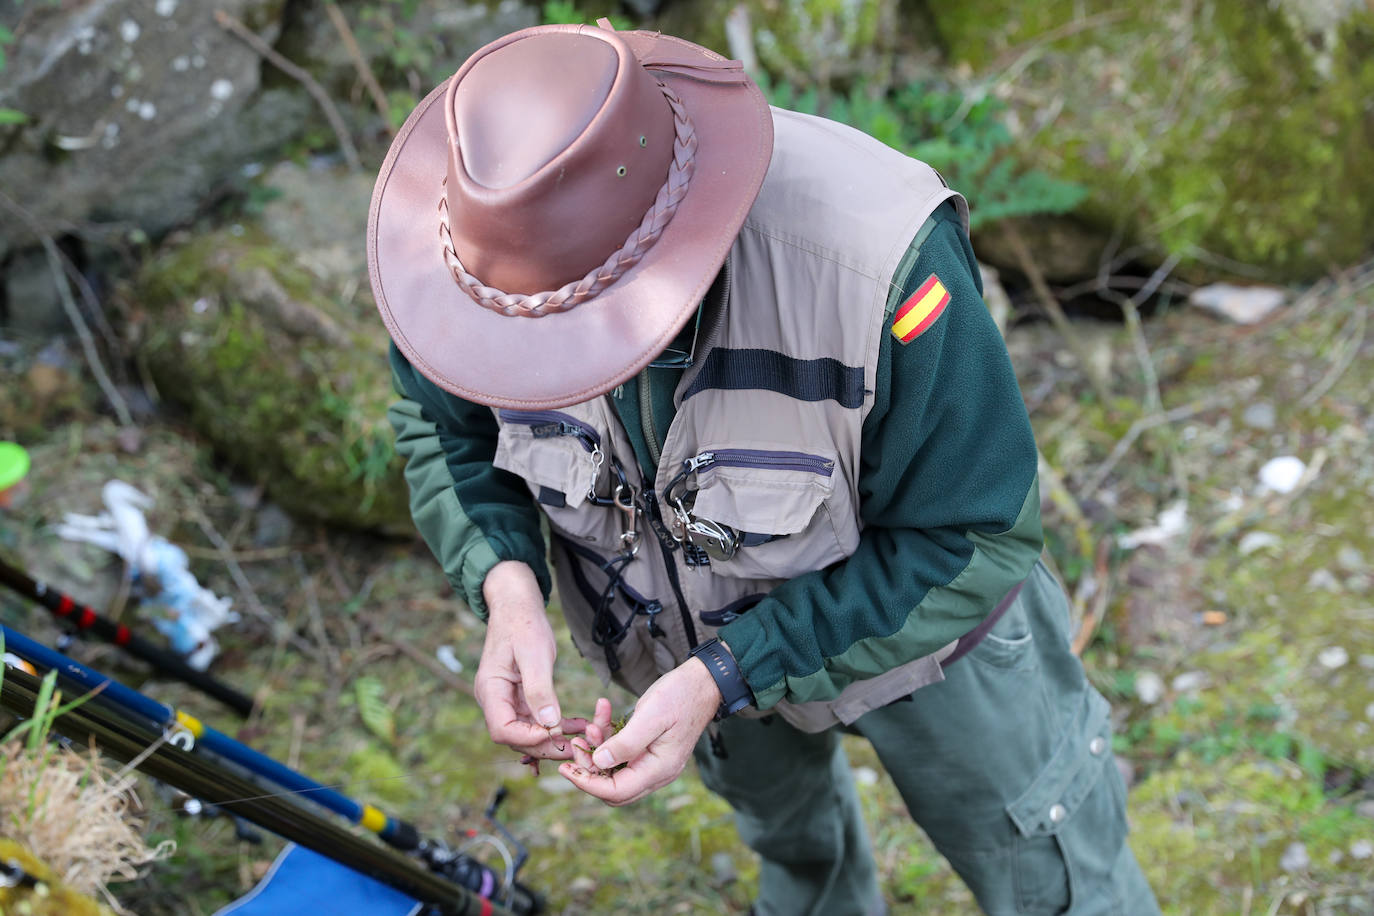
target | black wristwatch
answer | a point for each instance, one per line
(734, 690)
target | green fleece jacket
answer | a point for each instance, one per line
(948, 495)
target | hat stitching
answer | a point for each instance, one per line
(656, 219)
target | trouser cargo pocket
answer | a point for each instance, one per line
(1070, 821)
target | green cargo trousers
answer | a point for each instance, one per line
(1006, 765)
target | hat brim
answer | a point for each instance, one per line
(566, 357)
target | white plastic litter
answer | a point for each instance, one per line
(1281, 475)
(448, 659)
(1172, 522)
(160, 571)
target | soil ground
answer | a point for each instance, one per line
(1236, 645)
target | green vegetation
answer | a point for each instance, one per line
(962, 137)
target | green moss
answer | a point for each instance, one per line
(302, 412)
(1212, 131)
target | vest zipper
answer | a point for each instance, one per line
(546, 424)
(760, 458)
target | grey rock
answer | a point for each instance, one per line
(1366, 808)
(1333, 657)
(723, 868)
(1362, 849)
(1259, 415)
(1350, 559)
(1295, 858)
(1191, 681)
(1149, 687)
(33, 306)
(125, 105)
(1240, 304)
(272, 527)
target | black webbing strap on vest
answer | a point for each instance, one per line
(823, 379)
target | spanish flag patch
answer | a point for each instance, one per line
(921, 310)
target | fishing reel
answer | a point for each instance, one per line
(458, 865)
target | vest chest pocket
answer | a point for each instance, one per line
(789, 512)
(560, 459)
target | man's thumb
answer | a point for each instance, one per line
(628, 743)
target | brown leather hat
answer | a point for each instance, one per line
(548, 218)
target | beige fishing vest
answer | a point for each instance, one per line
(766, 437)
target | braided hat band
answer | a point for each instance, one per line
(567, 297)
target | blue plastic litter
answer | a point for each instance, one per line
(302, 881)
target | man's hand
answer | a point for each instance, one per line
(654, 744)
(514, 681)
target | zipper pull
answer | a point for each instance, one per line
(696, 462)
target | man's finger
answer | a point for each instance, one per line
(619, 788)
(536, 681)
(630, 742)
(504, 722)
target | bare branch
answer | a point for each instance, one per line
(268, 53)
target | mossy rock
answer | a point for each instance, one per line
(284, 375)
(1238, 136)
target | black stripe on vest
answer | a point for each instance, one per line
(823, 379)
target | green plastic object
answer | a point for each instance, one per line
(14, 464)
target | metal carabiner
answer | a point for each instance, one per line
(624, 498)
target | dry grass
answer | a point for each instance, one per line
(76, 815)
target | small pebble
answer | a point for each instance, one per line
(582, 884)
(865, 776)
(1190, 681)
(1295, 858)
(723, 868)
(1334, 657)
(1325, 580)
(1257, 540)
(1366, 808)
(1367, 662)
(1149, 687)
(1259, 415)
(1240, 304)
(1362, 849)
(1281, 475)
(1350, 559)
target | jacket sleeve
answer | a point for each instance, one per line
(948, 500)
(470, 513)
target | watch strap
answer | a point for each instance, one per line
(734, 689)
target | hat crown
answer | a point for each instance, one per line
(559, 142)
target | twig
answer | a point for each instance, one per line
(312, 606)
(423, 658)
(226, 555)
(1352, 341)
(1092, 617)
(1182, 412)
(360, 64)
(64, 290)
(1130, 309)
(336, 121)
(1054, 310)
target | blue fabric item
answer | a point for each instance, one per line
(302, 881)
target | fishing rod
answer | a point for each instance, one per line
(126, 740)
(86, 620)
(189, 731)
